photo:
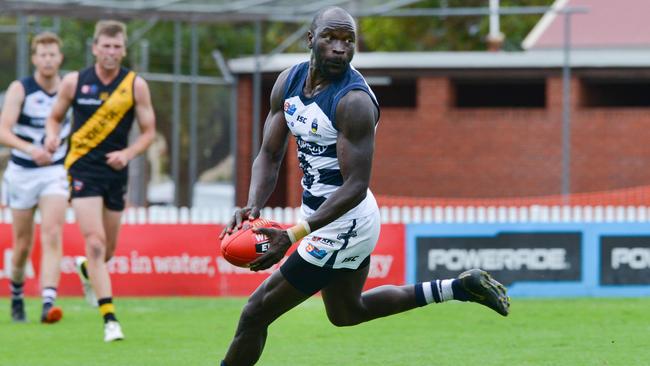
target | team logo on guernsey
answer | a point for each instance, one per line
(103, 96)
(289, 108)
(315, 252)
(314, 128)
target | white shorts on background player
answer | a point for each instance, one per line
(23, 187)
(351, 240)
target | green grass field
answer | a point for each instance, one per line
(191, 331)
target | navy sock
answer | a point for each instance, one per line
(16, 290)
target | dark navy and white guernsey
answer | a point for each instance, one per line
(31, 124)
(313, 122)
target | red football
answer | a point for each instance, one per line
(243, 246)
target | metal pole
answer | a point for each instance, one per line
(495, 26)
(566, 111)
(257, 90)
(194, 95)
(176, 113)
(144, 56)
(233, 134)
(90, 59)
(22, 48)
(56, 24)
(138, 166)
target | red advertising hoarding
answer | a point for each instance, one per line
(181, 260)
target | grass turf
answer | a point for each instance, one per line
(197, 331)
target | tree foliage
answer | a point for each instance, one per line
(453, 33)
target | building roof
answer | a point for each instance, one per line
(632, 58)
(210, 11)
(606, 24)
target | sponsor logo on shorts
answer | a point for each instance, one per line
(315, 252)
(347, 235)
(350, 259)
(77, 185)
(324, 241)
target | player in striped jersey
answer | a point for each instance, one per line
(332, 112)
(34, 176)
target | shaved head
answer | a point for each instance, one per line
(330, 12)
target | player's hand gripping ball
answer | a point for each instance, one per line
(244, 246)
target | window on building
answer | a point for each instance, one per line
(394, 93)
(616, 93)
(499, 93)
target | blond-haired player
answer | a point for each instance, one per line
(35, 177)
(105, 98)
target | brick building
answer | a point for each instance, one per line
(484, 125)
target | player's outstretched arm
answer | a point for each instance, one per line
(266, 166)
(146, 118)
(60, 108)
(10, 113)
(356, 116)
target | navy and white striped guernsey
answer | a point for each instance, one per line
(313, 122)
(31, 123)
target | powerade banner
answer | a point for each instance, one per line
(536, 259)
(508, 256)
(183, 260)
(625, 260)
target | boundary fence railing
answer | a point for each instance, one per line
(392, 214)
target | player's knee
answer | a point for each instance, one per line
(95, 246)
(252, 316)
(20, 254)
(343, 319)
(23, 238)
(50, 235)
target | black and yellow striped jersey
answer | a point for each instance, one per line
(103, 116)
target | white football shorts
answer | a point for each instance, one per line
(23, 187)
(342, 244)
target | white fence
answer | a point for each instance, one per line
(405, 215)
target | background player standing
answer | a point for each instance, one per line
(327, 105)
(34, 176)
(106, 98)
